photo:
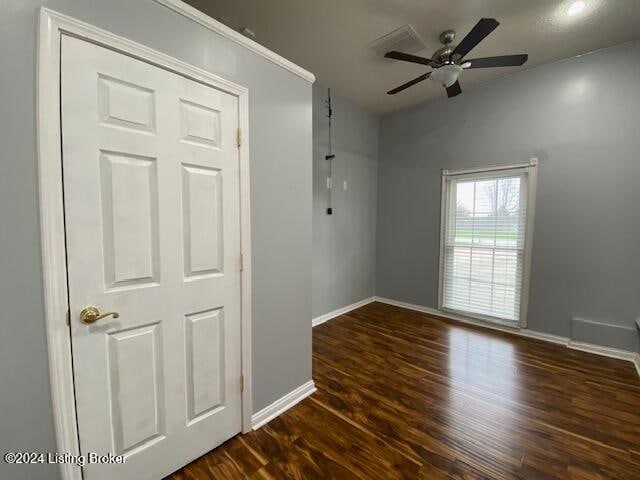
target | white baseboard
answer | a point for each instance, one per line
(604, 351)
(460, 318)
(281, 405)
(340, 311)
(567, 342)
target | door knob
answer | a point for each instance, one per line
(91, 315)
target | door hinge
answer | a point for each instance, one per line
(242, 383)
(241, 262)
(239, 137)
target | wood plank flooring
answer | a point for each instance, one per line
(403, 394)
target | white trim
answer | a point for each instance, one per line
(443, 222)
(54, 268)
(531, 168)
(340, 311)
(474, 321)
(52, 26)
(245, 246)
(482, 318)
(602, 351)
(532, 185)
(221, 29)
(283, 404)
(546, 337)
(522, 332)
(490, 168)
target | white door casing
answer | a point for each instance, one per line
(151, 191)
(52, 27)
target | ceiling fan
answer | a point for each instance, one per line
(447, 62)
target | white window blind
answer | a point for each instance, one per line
(484, 233)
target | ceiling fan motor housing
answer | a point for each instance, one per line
(443, 55)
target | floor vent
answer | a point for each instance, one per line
(404, 39)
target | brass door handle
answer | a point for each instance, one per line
(91, 315)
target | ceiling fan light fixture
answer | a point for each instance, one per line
(446, 75)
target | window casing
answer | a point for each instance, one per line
(486, 231)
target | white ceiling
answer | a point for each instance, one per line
(330, 37)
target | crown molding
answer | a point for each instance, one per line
(206, 21)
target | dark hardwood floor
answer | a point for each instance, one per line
(405, 395)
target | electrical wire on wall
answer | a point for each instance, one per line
(330, 156)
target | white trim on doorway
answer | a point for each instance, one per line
(340, 311)
(52, 26)
(209, 23)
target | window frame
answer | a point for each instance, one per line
(531, 169)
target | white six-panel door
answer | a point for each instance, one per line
(151, 194)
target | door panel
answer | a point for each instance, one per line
(125, 104)
(137, 400)
(200, 124)
(205, 362)
(151, 187)
(129, 193)
(202, 226)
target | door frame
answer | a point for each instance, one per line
(54, 269)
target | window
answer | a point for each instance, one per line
(485, 238)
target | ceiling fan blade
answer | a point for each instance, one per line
(483, 28)
(454, 90)
(408, 84)
(503, 61)
(409, 58)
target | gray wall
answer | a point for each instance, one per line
(580, 117)
(281, 171)
(344, 244)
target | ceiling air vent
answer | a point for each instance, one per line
(404, 39)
